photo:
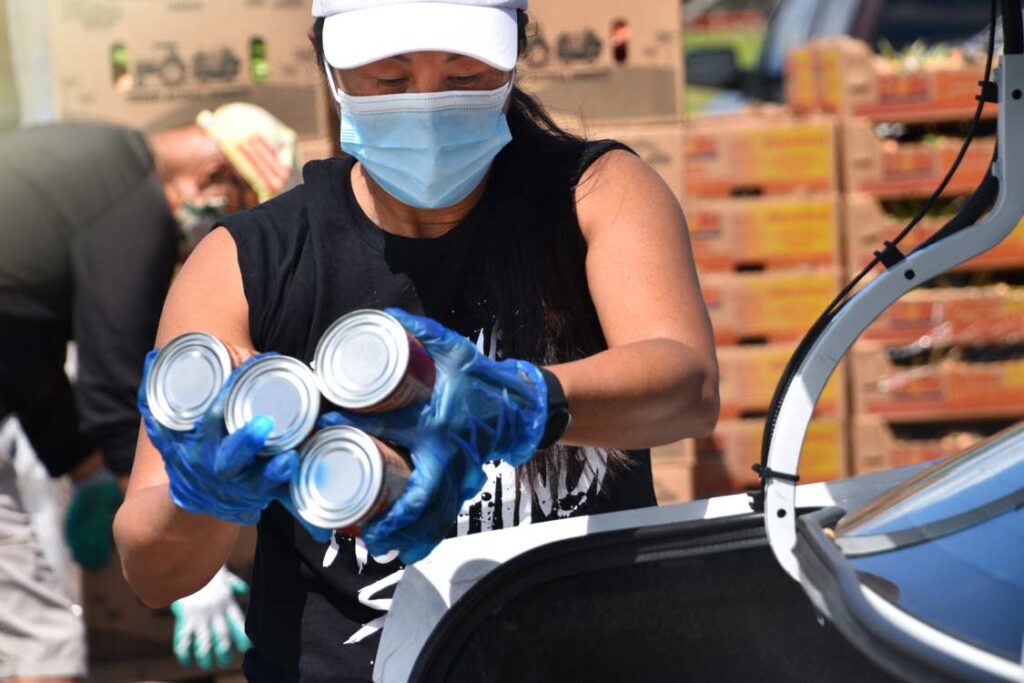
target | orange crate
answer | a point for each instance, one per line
(844, 76)
(961, 315)
(760, 153)
(725, 459)
(867, 226)
(768, 232)
(769, 305)
(749, 375)
(877, 447)
(949, 388)
(890, 169)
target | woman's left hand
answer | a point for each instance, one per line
(481, 410)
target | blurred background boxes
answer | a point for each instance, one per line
(765, 232)
(954, 315)
(660, 144)
(844, 76)
(764, 152)
(154, 65)
(869, 221)
(606, 60)
(895, 169)
(938, 383)
(672, 466)
(725, 460)
(767, 306)
(750, 373)
(879, 444)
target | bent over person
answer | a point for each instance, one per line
(95, 218)
(549, 278)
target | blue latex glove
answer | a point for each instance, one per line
(480, 411)
(89, 523)
(218, 474)
(208, 624)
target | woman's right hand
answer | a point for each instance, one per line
(218, 474)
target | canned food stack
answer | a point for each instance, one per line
(365, 362)
(765, 222)
(943, 367)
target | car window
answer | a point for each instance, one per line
(797, 21)
(901, 22)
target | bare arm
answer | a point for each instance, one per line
(166, 552)
(658, 380)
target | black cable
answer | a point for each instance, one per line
(1013, 32)
(1013, 28)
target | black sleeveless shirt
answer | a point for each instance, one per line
(307, 258)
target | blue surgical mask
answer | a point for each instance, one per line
(428, 150)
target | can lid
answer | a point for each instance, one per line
(281, 388)
(340, 477)
(361, 359)
(185, 379)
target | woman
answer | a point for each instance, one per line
(515, 241)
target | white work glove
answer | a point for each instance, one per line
(209, 623)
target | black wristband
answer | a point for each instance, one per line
(559, 417)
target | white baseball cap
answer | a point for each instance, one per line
(357, 32)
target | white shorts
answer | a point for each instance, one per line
(42, 632)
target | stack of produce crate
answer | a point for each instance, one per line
(763, 208)
(945, 366)
(609, 69)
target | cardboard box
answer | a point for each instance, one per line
(945, 388)
(725, 459)
(877, 447)
(760, 153)
(748, 376)
(606, 60)
(673, 472)
(960, 315)
(891, 169)
(659, 144)
(844, 76)
(868, 225)
(767, 232)
(156, 64)
(767, 306)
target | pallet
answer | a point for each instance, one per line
(772, 306)
(887, 169)
(748, 375)
(765, 232)
(947, 388)
(844, 76)
(761, 153)
(725, 459)
(867, 226)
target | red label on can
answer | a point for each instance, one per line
(397, 469)
(417, 382)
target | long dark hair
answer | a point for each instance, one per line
(533, 271)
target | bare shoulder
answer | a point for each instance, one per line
(207, 295)
(621, 188)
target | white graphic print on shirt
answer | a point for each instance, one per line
(505, 501)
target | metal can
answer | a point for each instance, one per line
(366, 362)
(281, 388)
(346, 477)
(186, 377)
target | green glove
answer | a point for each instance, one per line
(208, 624)
(89, 524)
